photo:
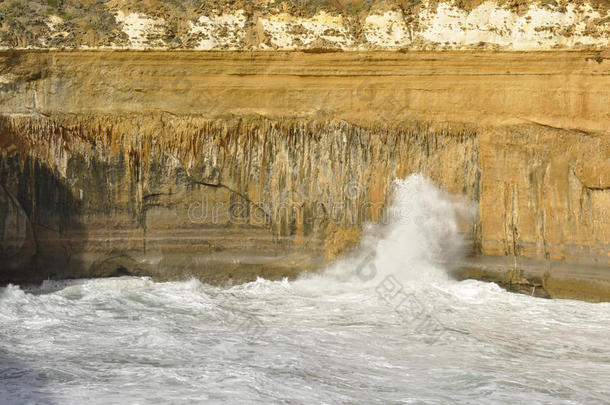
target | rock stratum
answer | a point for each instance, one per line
(267, 159)
(305, 24)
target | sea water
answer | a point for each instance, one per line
(385, 325)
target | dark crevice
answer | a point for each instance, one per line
(243, 196)
(147, 196)
(220, 185)
(589, 188)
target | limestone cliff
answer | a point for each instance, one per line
(305, 24)
(267, 160)
(150, 186)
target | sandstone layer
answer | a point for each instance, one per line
(232, 165)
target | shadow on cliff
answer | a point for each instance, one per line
(40, 229)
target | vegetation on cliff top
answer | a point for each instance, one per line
(76, 23)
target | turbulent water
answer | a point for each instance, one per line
(384, 326)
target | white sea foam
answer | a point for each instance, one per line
(333, 338)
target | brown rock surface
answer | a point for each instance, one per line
(229, 165)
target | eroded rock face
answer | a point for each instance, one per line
(17, 245)
(232, 165)
(284, 193)
(552, 193)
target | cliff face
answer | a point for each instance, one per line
(266, 153)
(279, 196)
(231, 165)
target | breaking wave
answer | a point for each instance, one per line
(384, 325)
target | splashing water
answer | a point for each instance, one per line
(417, 240)
(360, 332)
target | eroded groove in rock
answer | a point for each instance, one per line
(286, 185)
